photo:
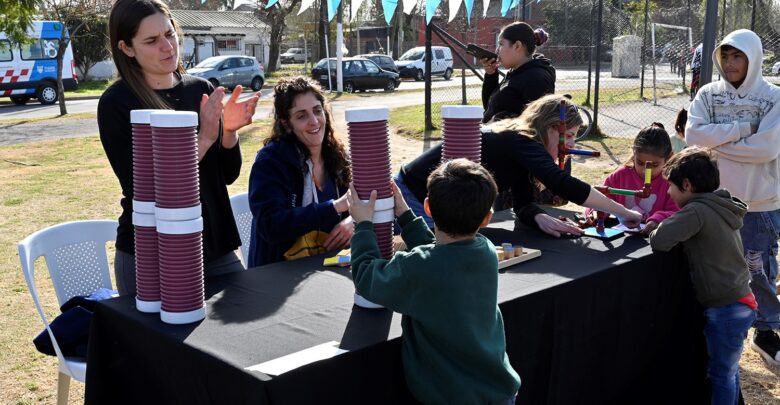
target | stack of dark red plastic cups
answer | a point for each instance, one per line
(462, 137)
(147, 270)
(369, 144)
(178, 213)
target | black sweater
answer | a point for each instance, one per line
(521, 86)
(515, 160)
(218, 168)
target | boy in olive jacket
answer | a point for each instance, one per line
(453, 345)
(708, 225)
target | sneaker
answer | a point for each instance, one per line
(767, 344)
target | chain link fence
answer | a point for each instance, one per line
(643, 55)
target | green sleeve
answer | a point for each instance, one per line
(378, 280)
(680, 227)
(414, 231)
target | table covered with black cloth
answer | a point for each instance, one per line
(587, 322)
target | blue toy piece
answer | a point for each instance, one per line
(607, 234)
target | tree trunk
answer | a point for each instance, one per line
(60, 87)
(322, 20)
(277, 28)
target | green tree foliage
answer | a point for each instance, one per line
(91, 45)
(275, 17)
(569, 22)
(16, 16)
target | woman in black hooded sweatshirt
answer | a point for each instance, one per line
(530, 75)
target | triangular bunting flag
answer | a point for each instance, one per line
(271, 3)
(469, 6)
(389, 6)
(333, 6)
(505, 7)
(355, 7)
(409, 6)
(305, 4)
(430, 9)
(454, 6)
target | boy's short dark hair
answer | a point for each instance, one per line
(460, 195)
(698, 165)
(726, 48)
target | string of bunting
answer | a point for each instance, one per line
(389, 7)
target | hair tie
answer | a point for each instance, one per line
(540, 36)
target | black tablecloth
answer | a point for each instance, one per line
(588, 322)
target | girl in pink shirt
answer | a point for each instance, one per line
(652, 148)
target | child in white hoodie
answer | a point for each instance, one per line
(738, 116)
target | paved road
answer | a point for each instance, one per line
(621, 121)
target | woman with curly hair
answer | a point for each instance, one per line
(299, 181)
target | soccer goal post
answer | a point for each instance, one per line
(654, 26)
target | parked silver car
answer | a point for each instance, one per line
(293, 55)
(230, 71)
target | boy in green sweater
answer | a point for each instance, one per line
(445, 286)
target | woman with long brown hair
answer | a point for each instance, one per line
(145, 48)
(299, 181)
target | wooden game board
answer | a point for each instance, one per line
(527, 254)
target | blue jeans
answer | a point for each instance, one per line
(414, 204)
(759, 238)
(725, 330)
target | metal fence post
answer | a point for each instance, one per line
(590, 52)
(644, 50)
(598, 66)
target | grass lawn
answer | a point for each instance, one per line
(69, 116)
(43, 184)
(49, 182)
(91, 88)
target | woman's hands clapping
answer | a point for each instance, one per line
(237, 114)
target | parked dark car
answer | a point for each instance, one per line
(358, 74)
(385, 62)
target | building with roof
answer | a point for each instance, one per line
(213, 33)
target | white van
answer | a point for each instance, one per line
(30, 70)
(412, 63)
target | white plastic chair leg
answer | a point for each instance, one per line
(63, 389)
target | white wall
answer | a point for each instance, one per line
(103, 70)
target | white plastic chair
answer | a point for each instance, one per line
(243, 217)
(75, 254)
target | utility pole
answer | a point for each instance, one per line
(708, 42)
(339, 48)
(428, 54)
